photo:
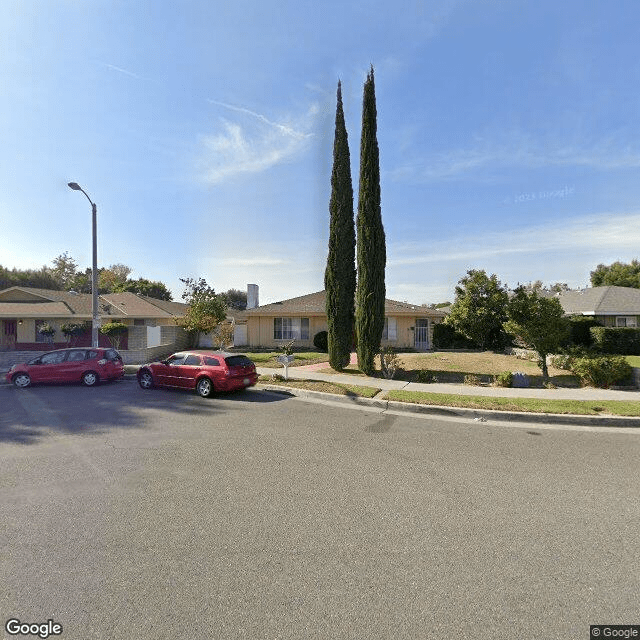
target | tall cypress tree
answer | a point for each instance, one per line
(340, 274)
(371, 247)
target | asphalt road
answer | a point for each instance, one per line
(134, 515)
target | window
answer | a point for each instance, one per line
(176, 360)
(291, 328)
(39, 336)
(76, 356)
(238, 361)
(626, 321)
(55, 357)
(390, 331)
(211, 362)
(192, 360)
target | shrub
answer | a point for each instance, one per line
(618, 340)
(114, 331)
(503, 379)
(602, 371)
(425, 376)
(320, 341)
(446, 337)
(389, 362)
(580, 331)
(472, 379)
(72, 330)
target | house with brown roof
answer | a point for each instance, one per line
(300, 319)
(23, 310)
(611, 306)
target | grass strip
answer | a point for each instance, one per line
(268, 358)
(533, 405)
(324, 387)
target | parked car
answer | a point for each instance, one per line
(204, 371)
(86, 365)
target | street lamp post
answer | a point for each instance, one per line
(95, 320)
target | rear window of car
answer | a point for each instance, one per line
(212, 362)
(92, 355)
(112, 354)
(238, 361)
(193, 360)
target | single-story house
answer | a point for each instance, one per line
(300, 319)
(23, 310)
(611, 306)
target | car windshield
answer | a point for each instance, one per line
(238, 361)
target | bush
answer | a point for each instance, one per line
(503, 379)
(618, 340)
(472, 379)
(580, 331)
(602, 371)
(425, 376)
(320, 341)
(446, 337)
(389, 362)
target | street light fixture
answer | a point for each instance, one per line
(95, 320)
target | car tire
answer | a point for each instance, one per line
(204, 388)
(21, 380)
(145, 380)
(90, 379)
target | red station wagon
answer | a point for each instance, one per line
(86, 365)
(204, 371)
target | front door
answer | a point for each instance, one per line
(8, 334)
(422, 334)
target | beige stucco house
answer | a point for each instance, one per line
(150, 322)
(271, 325)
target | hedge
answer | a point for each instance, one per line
(619, 340)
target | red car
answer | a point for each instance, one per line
(204, 371)
(87, 365)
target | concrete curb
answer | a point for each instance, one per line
(459, 412)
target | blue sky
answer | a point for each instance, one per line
(509, 135)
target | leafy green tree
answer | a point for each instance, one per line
(150, 288)
(539, 322)
(621, 274)
(236, 299)
(371, 246)
(114, 331)
(207, 309)
(340, 273)
(114, 278)
(64, 270)
(480, 309)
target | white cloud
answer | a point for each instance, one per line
(519, 149)
(251, 145)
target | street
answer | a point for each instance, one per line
(158, 514)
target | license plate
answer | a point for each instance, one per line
(246, 381)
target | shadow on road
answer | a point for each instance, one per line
(28, 416)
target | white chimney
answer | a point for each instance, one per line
(252, 296)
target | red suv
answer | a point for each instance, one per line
(87, 365)
(204, 371)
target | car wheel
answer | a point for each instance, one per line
(90, 379)
(145, 380)
(204, 387)
(21, 380)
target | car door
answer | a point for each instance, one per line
(188, 371)
(49, 368)
(74, 366)
(169, 372)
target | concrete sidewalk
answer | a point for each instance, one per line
(582, 393)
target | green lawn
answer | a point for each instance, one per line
(535, 405)
(324, 387)
(268, 358)
(634, 361)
